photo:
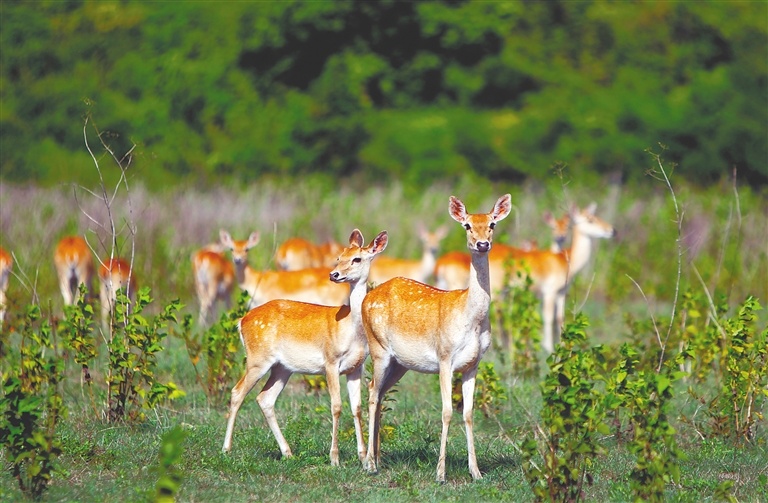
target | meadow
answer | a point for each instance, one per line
(633, 283)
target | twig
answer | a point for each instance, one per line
(679, 216)
(713, 310)
(650, 311)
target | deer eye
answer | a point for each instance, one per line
(356, 260)
(467, 226)
(492, 225)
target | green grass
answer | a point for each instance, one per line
(114, 462)
(109, 462)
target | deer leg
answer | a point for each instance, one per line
(445, 394)
(332, 379)
(468, 395)
(355, 401)
(547, 318)
(239, 392)
(386, 373)
(278, 378)
(559, 317)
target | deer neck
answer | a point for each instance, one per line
(357, 291)
(581, 248)
(479, 290)
(428, 261)
(245, 274)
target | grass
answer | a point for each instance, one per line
(115, 462)
(102, 461)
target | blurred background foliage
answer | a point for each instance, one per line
(417, 91)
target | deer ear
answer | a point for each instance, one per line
(591, 208)
(379, 243)
(253, 239)
(356, 238)
(225, 238)
(457, 210)
(502, 207)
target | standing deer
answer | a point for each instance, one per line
(6, 264)
(214, 276)
(560, 227)
(74, 266)
(413, 326)
(114, 274)
(452, 269)
(298, 253)
(552, 272)
(305, 285)
(283, 337)
(385, 268)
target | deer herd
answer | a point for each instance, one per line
(328, 307)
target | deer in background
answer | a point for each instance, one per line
(283, 337)
(452, 269)
(560, 227)
(305, 285)
(6, 264)
(74, 266)
(114, 274)
(214, 276)
(552, 272)
(413, 326)
(385, 268)
(298, 253)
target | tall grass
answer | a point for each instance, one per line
(723, 232)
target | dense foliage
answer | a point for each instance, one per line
(417, 91)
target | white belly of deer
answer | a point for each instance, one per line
(306, 363)
(470, 352)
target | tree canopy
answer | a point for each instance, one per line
(420, 91)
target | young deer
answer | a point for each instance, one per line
(551, 272)
(284, 337)
(305, 285)
(298, 253)
(114, 274)
(74, 266)
(385, 268)
(6, 264)
(214, 277)
(413, 326)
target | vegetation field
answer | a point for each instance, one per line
(660, 369)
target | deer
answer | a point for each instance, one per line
(298, 253)
(385, 268)
(6, 265)
(305, 285)
(559, 227)
(551, 272)
(114, 274)
(452, 269)
(74, 266)
(214, 276)
(284, 337)
(414, 326)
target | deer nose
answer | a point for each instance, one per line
(483, 246)
(334, 275)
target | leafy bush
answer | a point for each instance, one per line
(31, 409)
(133, 348)
(558, 460)
(220, 343)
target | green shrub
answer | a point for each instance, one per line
(133, 348)
(558, 460)
(31, 409)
